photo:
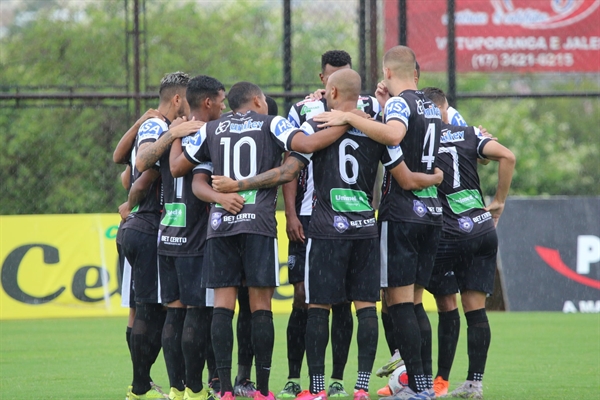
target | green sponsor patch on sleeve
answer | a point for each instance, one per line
(174, 215)
(464, 200)
(348, 200)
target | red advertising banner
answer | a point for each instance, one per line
(502, 35)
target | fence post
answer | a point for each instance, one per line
(451, 95)
(287, 52)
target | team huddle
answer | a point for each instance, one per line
(199, 234)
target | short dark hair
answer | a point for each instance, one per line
(241, 93)
(335, 58)
(272, 104)
(436, 95)
(171, 83)
(200, 87)
(418, 68)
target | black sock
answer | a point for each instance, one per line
(210, 354)
(222, 341)
(367, 335)
(171, 342)
(296, 330)
(128, 339)
(388, 330)
(341, 338)
(263, 338)
(244, 336)
(147, 327)
(408, 339)
(316, 340)
(194, 341)
(425, 329)
(448, 332)
(479, 336)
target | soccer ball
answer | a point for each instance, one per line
(398, 379)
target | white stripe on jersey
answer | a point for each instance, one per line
(126, 284)
(306, 207)
(306, 268)
(383, 253)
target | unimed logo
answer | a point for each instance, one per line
(588, 253)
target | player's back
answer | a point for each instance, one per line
(460, 192)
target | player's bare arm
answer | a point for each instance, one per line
(390, 133)
(286, 172)
(150, 153)
(123, 150)
(382, 94)
(126, 177)
(293, 226)
(178, 163)
(506, 166)
(138, 191)
(317, 141)
(409, 180)
(232, 202)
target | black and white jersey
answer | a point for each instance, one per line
(185, 217)
(460, 192)
(241, 146)
(420, 147)
(145, 216)
(344, 176)
(301, 112)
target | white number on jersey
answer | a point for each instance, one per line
(348, 158)
(455, 165)
(429, 145)
(226, 143)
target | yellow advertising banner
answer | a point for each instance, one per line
(67, 266)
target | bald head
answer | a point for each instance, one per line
(347, 83)
(401, 61)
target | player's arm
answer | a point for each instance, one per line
(126, 177)
(391, 133)
(506, 166)
(286, 172)
(138, 191)
(409, 180)
(293, 226)
(232, 202)
(123, 150)
(150, 153)
(484, 132)
(306, 144)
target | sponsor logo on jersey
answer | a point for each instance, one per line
(340, 223)
(174, 215)
(419, 208)
(397, 108)
(464, 200)
(194, 140)
(222, 128)
(247, 126)
(310, 106)
(282, 127)
(215, 220)
(432, 112)
(348, 200)
(465, 224)
(449, 136)
(150, 129)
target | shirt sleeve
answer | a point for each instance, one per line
(293, 117)
(481, 142)
(392, 156)
(193, 146)
(205, 167)
(151, 130)
(396, 108)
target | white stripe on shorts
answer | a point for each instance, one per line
(306, 266)
(383, 253)
(126, 284)
(276, 263)
(210, 297)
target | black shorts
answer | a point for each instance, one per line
(341, 270)
(127, 292)
(140, 250)
(297, 255)
(407, 252)
(229, 260)
(181, 279)
(465, 265)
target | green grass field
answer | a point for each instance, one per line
(532, 356)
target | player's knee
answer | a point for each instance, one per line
(446, 303)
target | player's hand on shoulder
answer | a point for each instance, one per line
(495, 208)
(232, 202)
(485, 133)
(361, 114)
(294, 229)
(185, 127)
(331, 118)
(316, 95)
(151, 113)
(224, 184)
(439, 174)
(382, 94)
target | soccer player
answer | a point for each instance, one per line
(139, 242)
(243, 144)
(466, 258)
(342, 262)
(410, 221)
(298, 199)
(181, 246)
